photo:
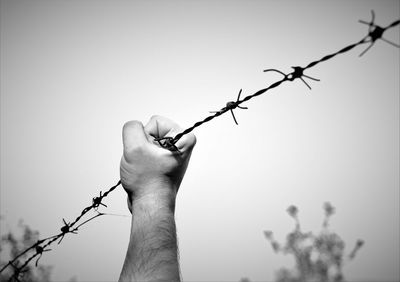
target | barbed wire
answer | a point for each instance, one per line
(375, 32)
(42, 245)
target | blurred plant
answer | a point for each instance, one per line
(12, 245)
(317, 257)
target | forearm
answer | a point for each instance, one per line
(153, 250)
(151, 176)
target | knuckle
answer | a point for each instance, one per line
(191, 140)
(194, 140)
(132, 124)
(156, 117)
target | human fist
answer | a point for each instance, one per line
(150, 173)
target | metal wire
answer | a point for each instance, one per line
(375, 33)
(41, 246)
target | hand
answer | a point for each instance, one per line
(150, 173)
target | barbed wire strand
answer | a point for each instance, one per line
(67, 228)
(375, 32)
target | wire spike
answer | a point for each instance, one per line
(305, 83)
(275, 70)
(233, 115)
(365, 51)
(238, 98)
(390, 42)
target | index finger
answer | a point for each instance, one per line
(160, 127)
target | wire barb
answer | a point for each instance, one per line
(298, 72)
(230, 106)
(168, 143)
(375, 32)
(96, 202)
(66, 229)
(39, 252)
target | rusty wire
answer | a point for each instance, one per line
(375, 33)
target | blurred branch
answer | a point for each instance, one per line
(318, 257)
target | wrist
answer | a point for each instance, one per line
(152, 198)
(153, 204)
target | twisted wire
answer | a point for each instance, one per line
(369, 38)
(375, 32)
(67, 228)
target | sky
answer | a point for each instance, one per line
(73, 72)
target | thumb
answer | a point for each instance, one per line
(133, 135)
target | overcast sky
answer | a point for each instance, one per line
(73, 72)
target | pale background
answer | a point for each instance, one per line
(72, 72)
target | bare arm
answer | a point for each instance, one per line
(152, 252)
(151, 176)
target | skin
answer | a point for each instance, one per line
(151, 176)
